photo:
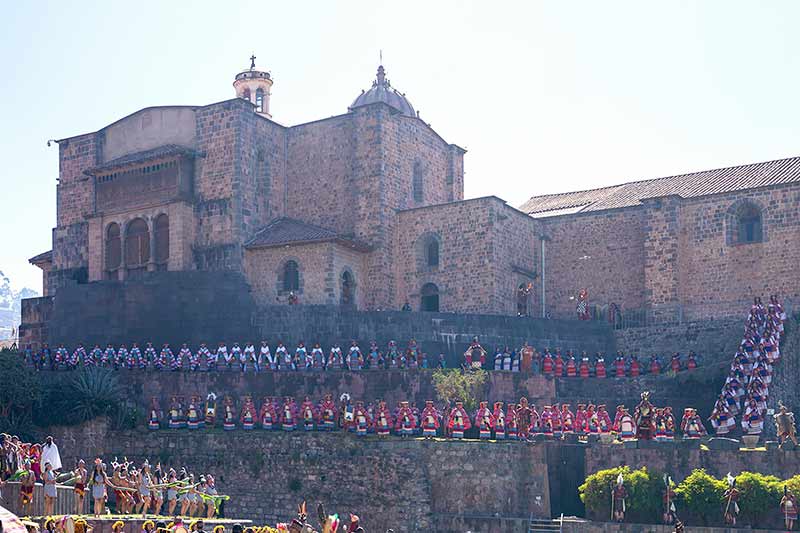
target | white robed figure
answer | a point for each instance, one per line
(50, 454)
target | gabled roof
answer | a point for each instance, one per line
(694, 184)
(287, 231)
(152, 154)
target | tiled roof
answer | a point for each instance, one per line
(690, 185)
(286, 231)
(43, 257)
(141, 157)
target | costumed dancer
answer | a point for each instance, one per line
(78, 356)
(788, 508)
(536, 421)
(175, 362)
(301, 359)
(149, 357)
(571, 366)
(81, 477)
(318, 357)
(592, 422)
(582, 307)
(635, 368)
(221, 356)
(731, 501)
(499, 415)
(458, 421)
(573, 423)
(558, 364)
(524, 415)
(484, 420)
(354, 357)
(248, 416)
(600, 366)
(229, 416)
(234, 356)
(250, 357)
(267, 414)
(721, 419)
(174, 413)
(211, 409)
(512, 429)
(547, 363)
(618, 496)
(308, 414)
(675, 363)
(154, 420)
(583, 370)
(752, 420)
(62, 356)
(94, 356)
(362, 419)
(335, 358)
(547, 421)
(210, 357)
(201, 356)
(619, 365)
(405, 422)
(668, 499)
(267, 357)
(109, 356)
(655, 365)
(644, 416)
(327, 413)
(784, 425)
(194, 420)
(669, 423)
(383, 419)
(288, 415)
(192, 360)
(604, 420)
(624, 424)
(692, 425)
(287, 360)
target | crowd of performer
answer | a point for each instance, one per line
(252, 358)
(144, 490)
(498, 420)
(746, 389)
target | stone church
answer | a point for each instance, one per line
(366, 209)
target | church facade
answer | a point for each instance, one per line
(366, 209)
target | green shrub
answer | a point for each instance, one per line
(759, 494)
(701, 497)
(456, 385)
(645, 489)
(19, 388)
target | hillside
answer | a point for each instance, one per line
(10, 305)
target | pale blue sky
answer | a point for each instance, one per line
(546, 96)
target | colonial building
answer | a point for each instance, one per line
(366, 209)
(363, 209)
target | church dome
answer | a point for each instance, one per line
(382, 91)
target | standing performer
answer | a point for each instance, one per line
(50, 493)
(547, 363)
(512, 429)
(354, 357)
(194, 420)
(558, 364)
(600, 366)
(235, 355)
(327, 413)
(308, 414)
(571, 365)
(288, 415)
(109, 356)
(186, 353)
(788, 508)
(317, 357)
(154, 420)
(524, 415)
(405, 422)
(644, 417)
(383, 419)
(458, 421)
(604, 420)
(248, 416)
(669, 501)
(220, 356)
(175, 362)
(175, 413)
(81, 476)
(583, 370)
(582, 308)
(266, 356)
(784, 423)
(250, 357)
(618, 496)
(430, 420)
(211, 409)
(362, 419)
(267, 416)
(619, 365)
(203, 356)
(484, 420)
(228, 416)
(721, 418)
(731, 501)
(692, 425)
(149, 357)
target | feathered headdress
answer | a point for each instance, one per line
(731, 480)
(344, 398)
(211, 398)
(620, 479)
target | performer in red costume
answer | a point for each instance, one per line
(362, 419)
(430, 420)
(267, 415)
(604, 420)
(600, 366)
(635, 369)
(578, 423)
(655, 365)
(308, 414)
(558, 364)
(484, 419)
(619, 366)
(405, 423)
(675, 363)
(547, 421)
(458, 421)
(572, 370)
(327, 413)
(584, 366)
(547, 363)
(499, 421)
(383, 420)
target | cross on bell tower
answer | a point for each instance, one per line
(254, 86)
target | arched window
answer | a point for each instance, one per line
(260, 100)
(291, 276)
(113, 250)
(161, 235)
(416, 183)
(348, 288)
(432, 252)
(745, 224)
(137, 244)
(429, 298)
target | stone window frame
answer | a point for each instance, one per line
(418, 182)
(423, 248)
(280, 290)
(340, 281)
(161, 263)
(112, 270)
(128, 225)
(422, 296)
(733, 221)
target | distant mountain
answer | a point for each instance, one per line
(10, 305)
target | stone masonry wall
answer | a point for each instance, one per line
(713, 340)
(603, 252)
(397, 483)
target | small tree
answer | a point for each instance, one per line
(19, 388)
(644, 494)
(455, 385)
(702, 496)
(595, 492)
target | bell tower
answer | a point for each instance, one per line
(254, 85)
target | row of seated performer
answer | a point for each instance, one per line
(516, 420)
(526, 359)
